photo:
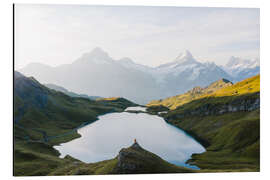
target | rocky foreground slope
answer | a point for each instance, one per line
(131, 160)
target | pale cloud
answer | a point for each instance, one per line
(58, 34)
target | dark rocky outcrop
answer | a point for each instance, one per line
(236, 105)
(135, 159)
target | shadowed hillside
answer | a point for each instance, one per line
(44, 117)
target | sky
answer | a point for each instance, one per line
(59, 34)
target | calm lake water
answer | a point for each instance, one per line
(104, 138)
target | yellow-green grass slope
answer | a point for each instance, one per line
(232, 139)
(217, 89)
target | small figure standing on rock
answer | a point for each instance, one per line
(136, 145)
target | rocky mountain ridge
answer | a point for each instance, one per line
(136, 160)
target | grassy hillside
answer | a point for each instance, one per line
(227, 123)
(247, 86)
(116, 101)
(41, 113)
(44, 117)
(232, 140)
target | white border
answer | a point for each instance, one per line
(190, 3)
(6, 83)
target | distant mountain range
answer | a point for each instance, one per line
(97, 74)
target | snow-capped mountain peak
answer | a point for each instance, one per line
(130, 64)
(240, 68)
(186, 56)
(183, 59)
(97, 56)
(126, 60)
(236, 62)
(98, 53)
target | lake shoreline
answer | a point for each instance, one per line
(138, 112)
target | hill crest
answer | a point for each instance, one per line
(218, 88)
